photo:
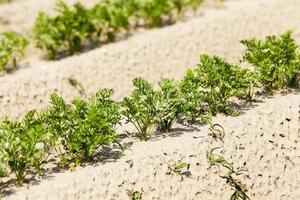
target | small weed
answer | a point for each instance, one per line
(215, 159)
(236, 185)
(134, 194)
(76, 84)
(181, 169)
(178, 168)
(216, 131)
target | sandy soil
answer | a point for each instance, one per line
(266, 138)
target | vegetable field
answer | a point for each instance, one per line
(222, 127)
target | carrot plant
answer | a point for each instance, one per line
(139, 108)
(70, 29)
(110, 17)
(78, 26)
(74, 25)
(157, 12)
(47, 35)
(167, 107)
(219, 81)
(275, 60)
(82, 127)
(12, 49)
(148, 108)
(153, 11)
(23, 145)
(192, 108)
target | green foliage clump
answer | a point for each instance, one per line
(79, 26)
(148, 108)
(192, 108)
(23, 145)
(139, 108)
(209, 87)
(157, 12)
(3, 171)
(80, 128)
(12, 49)
(154, 10)
(4, 1)
(167, 104)
(220, 81)
(47, 35)
(275, 60)
(70, 28)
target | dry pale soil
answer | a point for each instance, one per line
(264, 139)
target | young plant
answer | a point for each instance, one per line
(220, 81)
(147, 108)
(70, 28)
(153, 11)
(134, 195)
(181, 168)
(192, 106)
(75, 25)
(216, 131)
(139, 109)
(236, 185)
(3, 172)
(12, 49)
(78, 26)
(83, 127)
(240, 189)
(47, 35)
(157, 12)
(167, 104)
(275, 61)
(216, 160)
(23, 145)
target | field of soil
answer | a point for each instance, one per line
(265, 138)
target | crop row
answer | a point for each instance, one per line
(76, 27)
(76, 131)
(4, 1)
